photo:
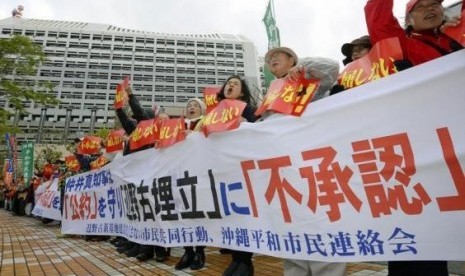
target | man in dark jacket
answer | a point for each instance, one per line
(141, 251)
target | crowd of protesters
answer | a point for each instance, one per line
(422, 40)
(17, 197)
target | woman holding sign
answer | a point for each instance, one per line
(235, 105)
(235, 88)
(193, 258)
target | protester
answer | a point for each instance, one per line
(20, 198)
(2, 194)
(193, 258)
(195, 110)
(423, 39)
(356, 49)
(29, 198)
(141, 251)
(284, 63)
(13, 196)
(236, 88)
(9, 194)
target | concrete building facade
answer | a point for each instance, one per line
(86, 61)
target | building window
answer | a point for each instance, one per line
(6, 31)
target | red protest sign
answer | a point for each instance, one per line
(171, 132)
(98, 163)
(289, 97)
(121, 96)
(458, 32)
(72, 163)
(115, 141)
(210, 94)
(48, 171)
(145, 133)
(378, 63)
(89, 145)
(305, 96)
(225, 116)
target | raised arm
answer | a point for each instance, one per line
(381, 22)
(127, 123)
(137, 110)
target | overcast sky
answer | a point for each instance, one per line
(310, 27)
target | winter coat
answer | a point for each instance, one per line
(417, 47)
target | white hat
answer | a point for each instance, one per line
(200, 102)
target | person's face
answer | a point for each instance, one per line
(280, 63)
(426, 15)
(359, 51)
(193, 110)
(233, 89)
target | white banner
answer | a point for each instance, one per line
(374, 173)
(47, 200)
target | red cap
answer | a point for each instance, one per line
(412, 4)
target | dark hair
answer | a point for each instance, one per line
(246, 95)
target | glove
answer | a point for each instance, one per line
(402, 64)
(336, 89)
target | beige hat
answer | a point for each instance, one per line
(284, 50)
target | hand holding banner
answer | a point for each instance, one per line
(226, 116)
(121, 96)
(171, 132)
(210, 95)
(458, 32)
(98, 163)
(145, 133)
(72, 163)
(378, 63)
(115, 140)
(48, 200)
(89, 145)
(289, 97)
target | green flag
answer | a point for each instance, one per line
(27, 156)
(270, 26)
(272, 32)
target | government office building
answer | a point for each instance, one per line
(86, 61)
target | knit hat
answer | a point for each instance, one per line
(200, 102)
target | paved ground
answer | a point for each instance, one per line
(29, 247)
